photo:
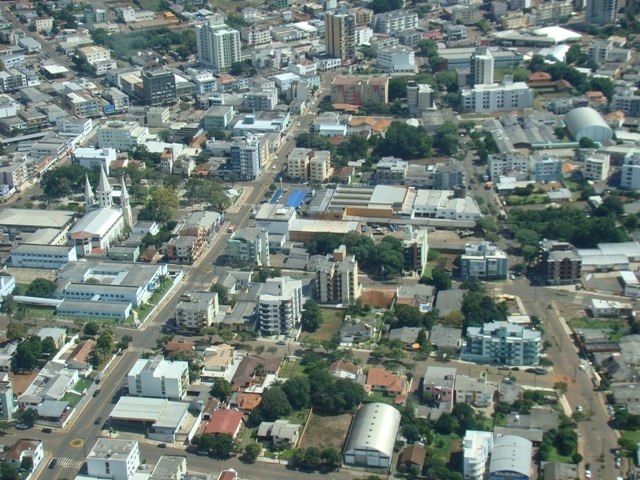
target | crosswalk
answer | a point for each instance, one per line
(138, 349)
(65, 462)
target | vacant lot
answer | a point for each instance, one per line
(327, 432)
(331, 322)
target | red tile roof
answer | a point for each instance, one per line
(224, 421)
(390, 382)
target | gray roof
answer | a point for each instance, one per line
(115, 449)
(52, 408)
(15, 217)
(442, 336)
(584, 117)
(531, 434)
(162, 412)
(511, 454)
(560, 471)
(449, 301)
(406, 335)
(374, 427)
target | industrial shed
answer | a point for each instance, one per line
(586, 122)
(372, 436)
(510, 458)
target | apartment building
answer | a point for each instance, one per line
(395, 21)
(476, 450)
(280, 306)
(218, 46)
(503, 97)
(258, 100)
(630, 174)
(249, 247)
(561, 263)
(158, 87)
(337, 278)
(339, 35)
(596, 167)
(82, 104)
(419, 97)
(353, 90)
(503, 343)
(483, 262)
(197, 312)
(320, 169)
(50, 257)
(114, 459)
(121, 135)
(158, 378)
(298, 163)
(391, 171)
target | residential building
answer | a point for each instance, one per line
(225, 422)
(601, 12)
(261, 100)
(599, 50)
(320, 169)
(395, 21)
(158, 87)
(42, 256)
(596, 167)
(7, 285)
(448, 176)
(419, 97)
(193, 235)
(439, 384)
(548, 13)
(43, 24)
(353, 90)
(502, 343)
(198, 312)
(339, 35)
(276, 219)
(280, 306)
(218, 117)
(256, 35)
(477, 392)
(298, 163)
(416, 249)
(281, 433)
(506, 96)
(482, 65)
(246, 158)
(508, 164)
(483, 262)
(121, 135)
(391, 170)
(158, 117)
(444, 339)
(626, 101)
(158, 378)
(82, 104)
(113, 458)
(7, 403)
(546, 168)
(249, 246)
(561, 263)
(387, 383)
(477, 448)
(24, 451)
(218, 45)
(630, 172)
(337, 278)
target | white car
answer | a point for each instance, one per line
(587, 474)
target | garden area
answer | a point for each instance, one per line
(326, 431)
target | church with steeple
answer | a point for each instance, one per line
(103, 223)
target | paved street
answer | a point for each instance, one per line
(597, 438)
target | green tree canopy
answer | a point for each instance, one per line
(41, 287)
(274, 404)
(404, 141)
(311, 318)
(221, 389)
(161, 205)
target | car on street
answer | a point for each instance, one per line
(22, 426)
(47, 430)
(98, 421)
(618, 462)
(96, 393)
(587, 474)
(162, 445)
(53, 463)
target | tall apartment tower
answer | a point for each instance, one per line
(601, 12)
(158, 87)
(482, 63)
(218, 45)
(339, 35)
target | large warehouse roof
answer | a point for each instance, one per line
(374, 427)
(580, 119)
(511, 454)
(20, 218)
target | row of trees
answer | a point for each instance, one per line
(312, 459)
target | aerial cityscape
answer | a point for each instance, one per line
(279, 240)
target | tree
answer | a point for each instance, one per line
(41, 287)
(331, 458)
(298, 392)
(440, 279)
(124, 342)
(404, 141)
(274, 404)
(222, 291)
(161, 205)
(380, 6)
(446, 139)
(16, 330)
(9, 472)
(311, 317)
(586, 142)
(221, 389)
(91, 329)
(28, 416)
(220, 445)
(407, 316)
(323, 243)
(49, 346)
(397, 88)
(27, 354)
(252, 451)
(104, 343)
(65, 180)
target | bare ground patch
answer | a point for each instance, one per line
(327, 431)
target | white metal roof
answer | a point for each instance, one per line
(511, 454)
(374, 427)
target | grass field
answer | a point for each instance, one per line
(326, 432)
(444, 445)
(331, 322)
(633, 435)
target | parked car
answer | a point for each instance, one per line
(98, 421)
(22, 426)
(162, 445)
(47, 430)
(96, 393)
(53, 463)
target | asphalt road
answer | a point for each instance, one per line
(597, 438)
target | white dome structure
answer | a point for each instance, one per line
(586, 122)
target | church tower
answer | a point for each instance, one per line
(89, 197)
(125, 205)
(105, 192)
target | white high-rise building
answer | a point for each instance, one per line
(596, 167)
(280, 305)
(482, 63)
(477, 446)
(218, 45)
(630, 175)
(158, 378)
(113, 458)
